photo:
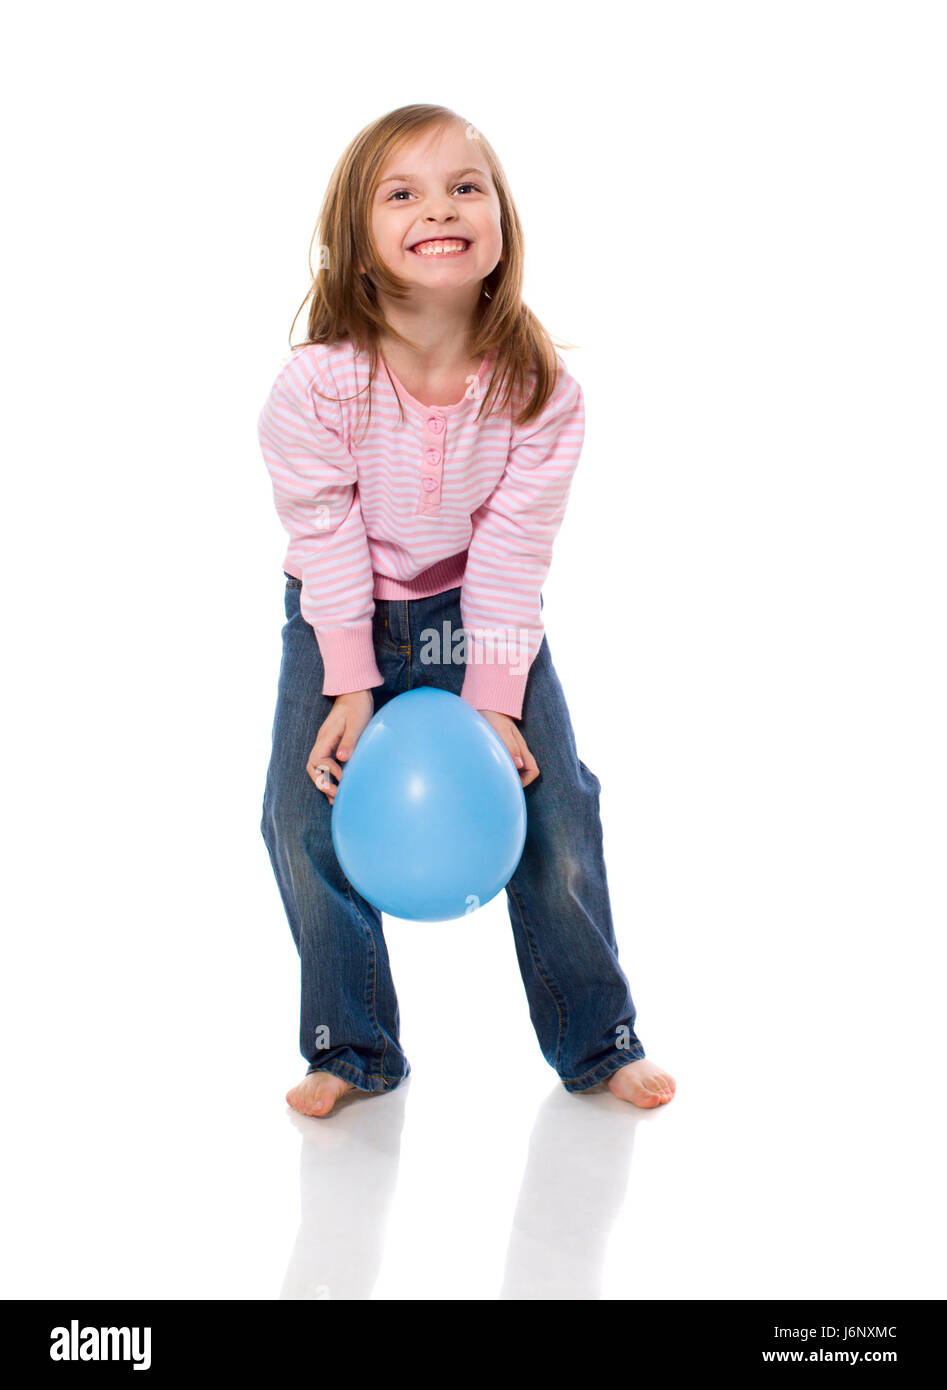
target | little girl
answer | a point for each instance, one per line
(438, 515)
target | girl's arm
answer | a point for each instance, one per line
(510, 552)
(314, 487)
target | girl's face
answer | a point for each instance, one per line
(436, 189)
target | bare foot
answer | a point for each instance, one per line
(317, 1093)
(643, 1083)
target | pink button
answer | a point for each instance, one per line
(429, 484)
(435, 425)
(433, 457)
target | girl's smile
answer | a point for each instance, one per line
(441, 248)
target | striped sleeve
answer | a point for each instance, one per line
(510, 551)
(315, 490)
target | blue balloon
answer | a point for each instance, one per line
(429, 820)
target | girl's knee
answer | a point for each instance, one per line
(298, 835)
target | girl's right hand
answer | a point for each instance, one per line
(340, 731)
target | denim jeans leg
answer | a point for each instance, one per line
(349, 1019)
(579, 999)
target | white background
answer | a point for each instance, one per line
(737, 212)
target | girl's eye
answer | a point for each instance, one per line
(407, 190)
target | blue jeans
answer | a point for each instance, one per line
(579, 1000)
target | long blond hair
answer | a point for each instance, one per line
(344, 301)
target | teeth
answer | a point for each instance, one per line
(440, 248)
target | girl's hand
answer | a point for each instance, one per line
(340, 731)
(515, 744)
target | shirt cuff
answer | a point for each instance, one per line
(348, 655)
(494, 687)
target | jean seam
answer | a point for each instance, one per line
(407, 649)
(540, 970)
(373, 971)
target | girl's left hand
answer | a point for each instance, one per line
(515, 744)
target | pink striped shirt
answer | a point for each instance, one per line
(407, 510)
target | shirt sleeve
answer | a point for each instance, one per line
(315, 490)
(510, 551)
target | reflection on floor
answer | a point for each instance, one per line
(572, 1189)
